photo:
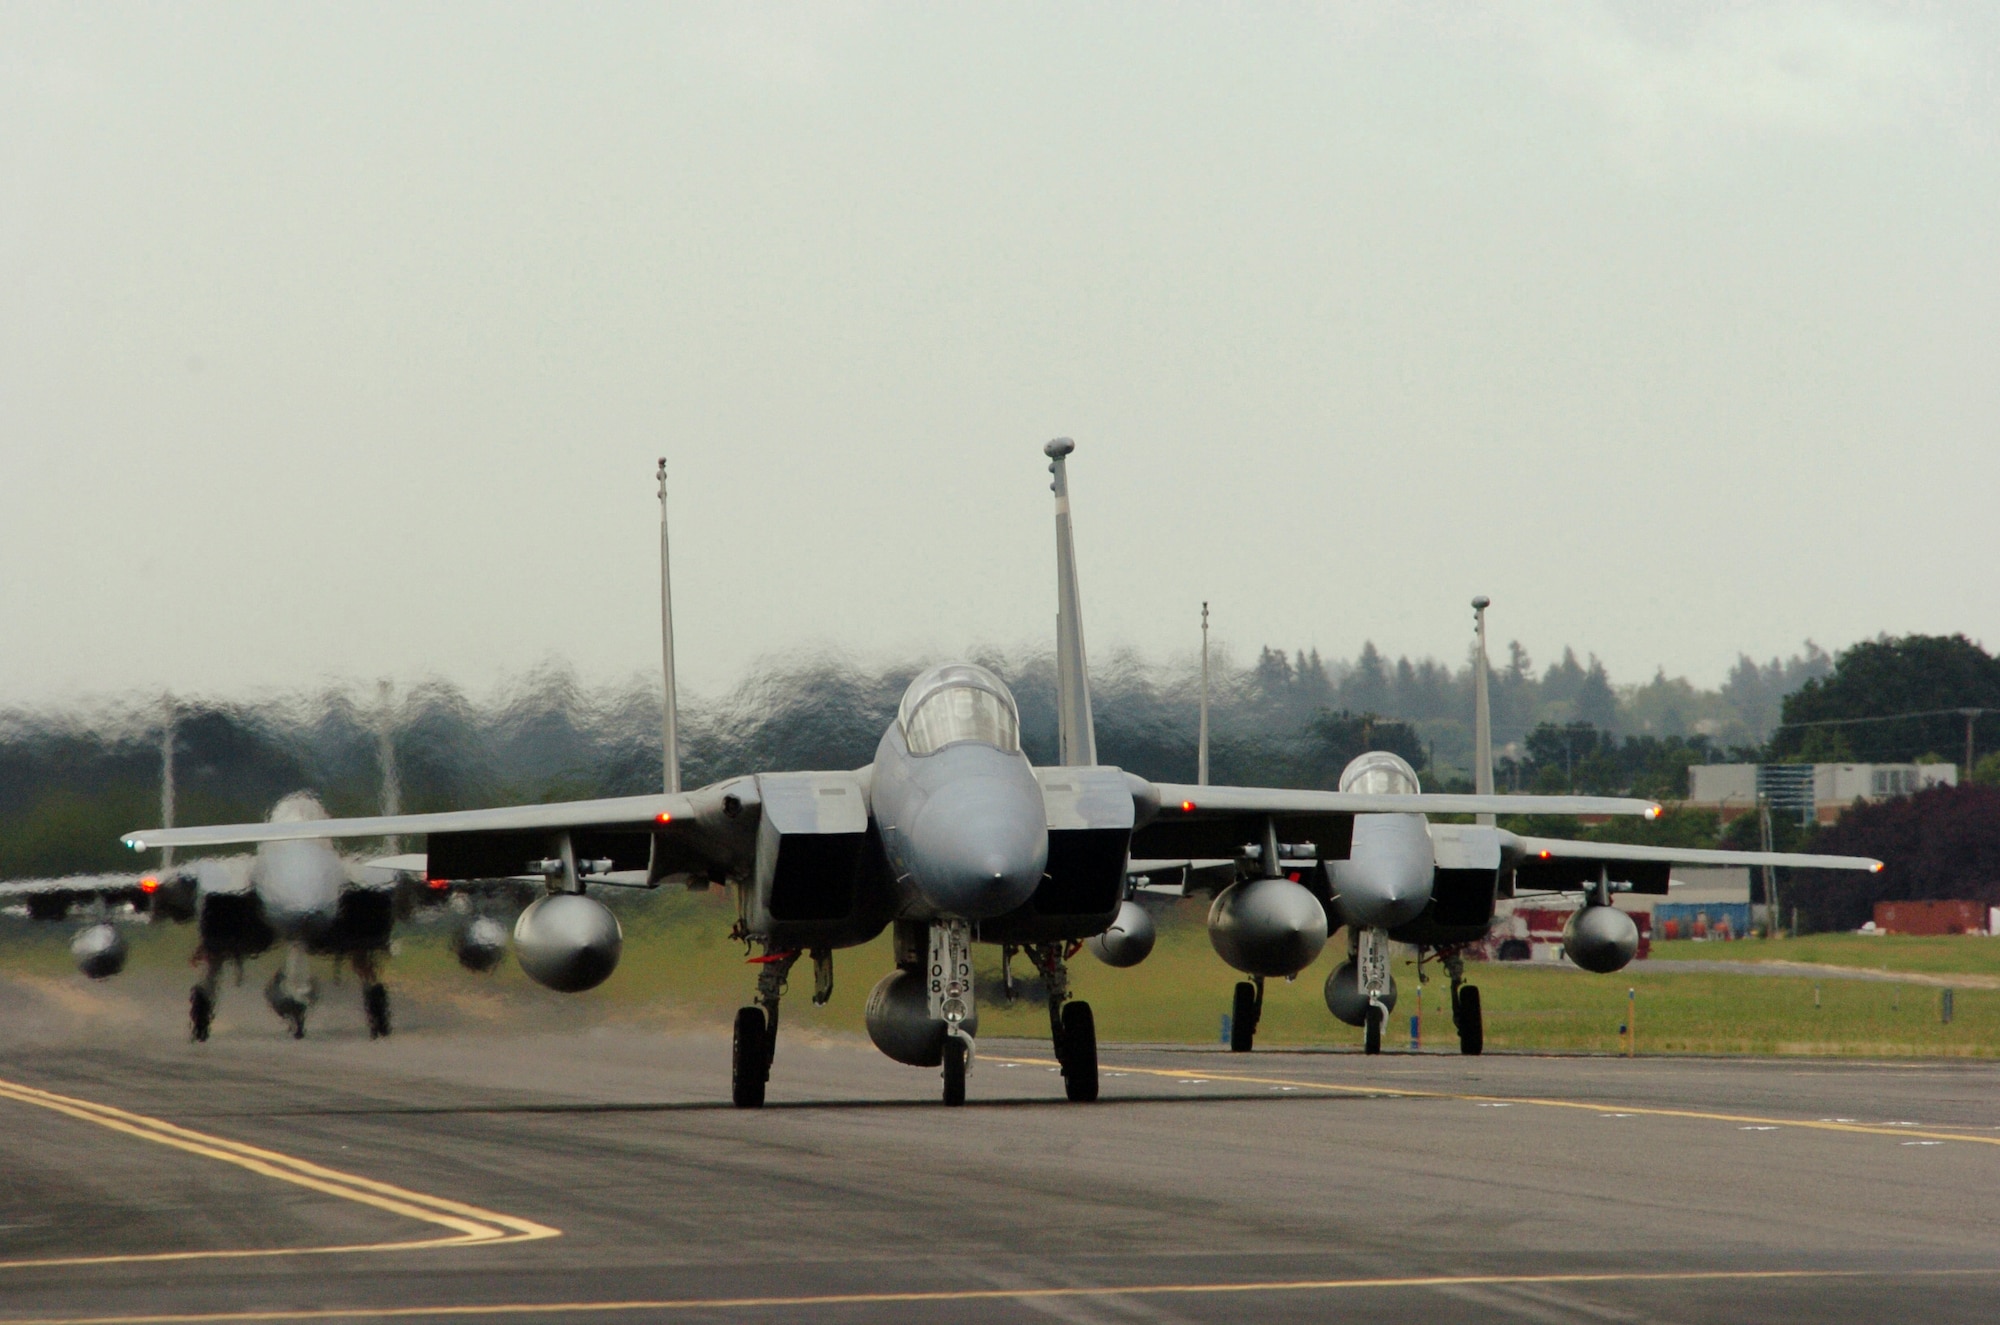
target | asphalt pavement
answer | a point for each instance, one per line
(536, 1169)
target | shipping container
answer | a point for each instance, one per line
(1930, 917)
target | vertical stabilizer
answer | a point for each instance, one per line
(1482, 711)
(385, 759)
(1201, 742)
(167, 781)
(1077, 736)
(670, 746)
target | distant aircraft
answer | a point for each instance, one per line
(948, 836)
(295, 892)
(1403, 878)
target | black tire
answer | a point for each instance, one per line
(750, 1060)
(298, 1023)
(201, 1012)
(1079, 1060)
(1371, 1041)
(1471, 1026)
(954, 1071)
(375, 1002)
(1243, 1019)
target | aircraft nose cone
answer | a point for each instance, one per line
(978, 849)
(1383, 897)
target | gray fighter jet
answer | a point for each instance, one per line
(296, 894)
(948, 836)
(1402, 878)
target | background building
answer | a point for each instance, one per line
(1820, 792)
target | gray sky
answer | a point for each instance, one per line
(339, 341)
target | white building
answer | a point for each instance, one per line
(1731, 789)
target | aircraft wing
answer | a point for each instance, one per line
(1555, 864)
(631, 812)
(120, 887)
(1195, 822)
(692, 834)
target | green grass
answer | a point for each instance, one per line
(681, 969)
(1943, 954)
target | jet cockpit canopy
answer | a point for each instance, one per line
(1379, 773)
(958, 702)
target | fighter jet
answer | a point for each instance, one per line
(947, 837)
(1402, 878)
(295, 893)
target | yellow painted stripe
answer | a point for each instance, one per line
(469, 1225)
(301, 1170)
(1645, 1110)
(481, 1309)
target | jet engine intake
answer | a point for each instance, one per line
(1268, 927)
(480, 943)
(99, 950)
(568, 942)
(1129, 938)
(1345, 998)
(900, 1021)
(1600, 938)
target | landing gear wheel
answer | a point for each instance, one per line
(375, 1002)
(201, 1012)
(297, 1021)
(1243, 1019)
(1471, 1028)
(1079, 1052)
(954, 1071)
(750, 1060)
(1371, 1042)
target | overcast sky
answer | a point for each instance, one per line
(339, 342)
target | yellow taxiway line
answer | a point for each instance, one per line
(474, 1310)
(1640, 1110)
(467, 1225)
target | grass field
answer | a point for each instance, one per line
(680, 967)
(1955, 954)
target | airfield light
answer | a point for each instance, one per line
(149, 884)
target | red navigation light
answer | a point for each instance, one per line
(1876, 868)
(1187, 807)
(1652, 811)
(149, 884)
(438, 885)
(1293, 876)
(1546, 855)
(663, 817)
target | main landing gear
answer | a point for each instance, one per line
(1465, 1014)
(1072, 1026)
(201, 999)
(1245, 1011)
(374, 995)
(757, 1027)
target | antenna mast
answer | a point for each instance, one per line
(1482, 712)
(1201, 744)
(670, 750)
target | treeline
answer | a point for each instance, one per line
(70, 783)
